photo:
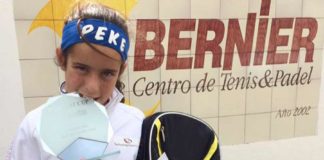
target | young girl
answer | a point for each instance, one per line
(93, 55)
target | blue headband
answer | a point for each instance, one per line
(97, 32)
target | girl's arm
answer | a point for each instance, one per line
(24, 145)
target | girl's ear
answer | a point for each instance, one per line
(61, 60)
(122, 68)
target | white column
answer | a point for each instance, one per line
(11, 94)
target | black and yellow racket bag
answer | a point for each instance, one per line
(177, 136)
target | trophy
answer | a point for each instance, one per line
(74, 128)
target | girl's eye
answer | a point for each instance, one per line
(108, 74)
(81, 69)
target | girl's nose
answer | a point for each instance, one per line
(91, 87)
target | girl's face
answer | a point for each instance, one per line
(90, 73)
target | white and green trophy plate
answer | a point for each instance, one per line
(72, 127)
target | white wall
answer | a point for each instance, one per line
(11, 99)
(305, 148)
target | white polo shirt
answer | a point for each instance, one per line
(126, 122)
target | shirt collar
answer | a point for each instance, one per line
(115, 98)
